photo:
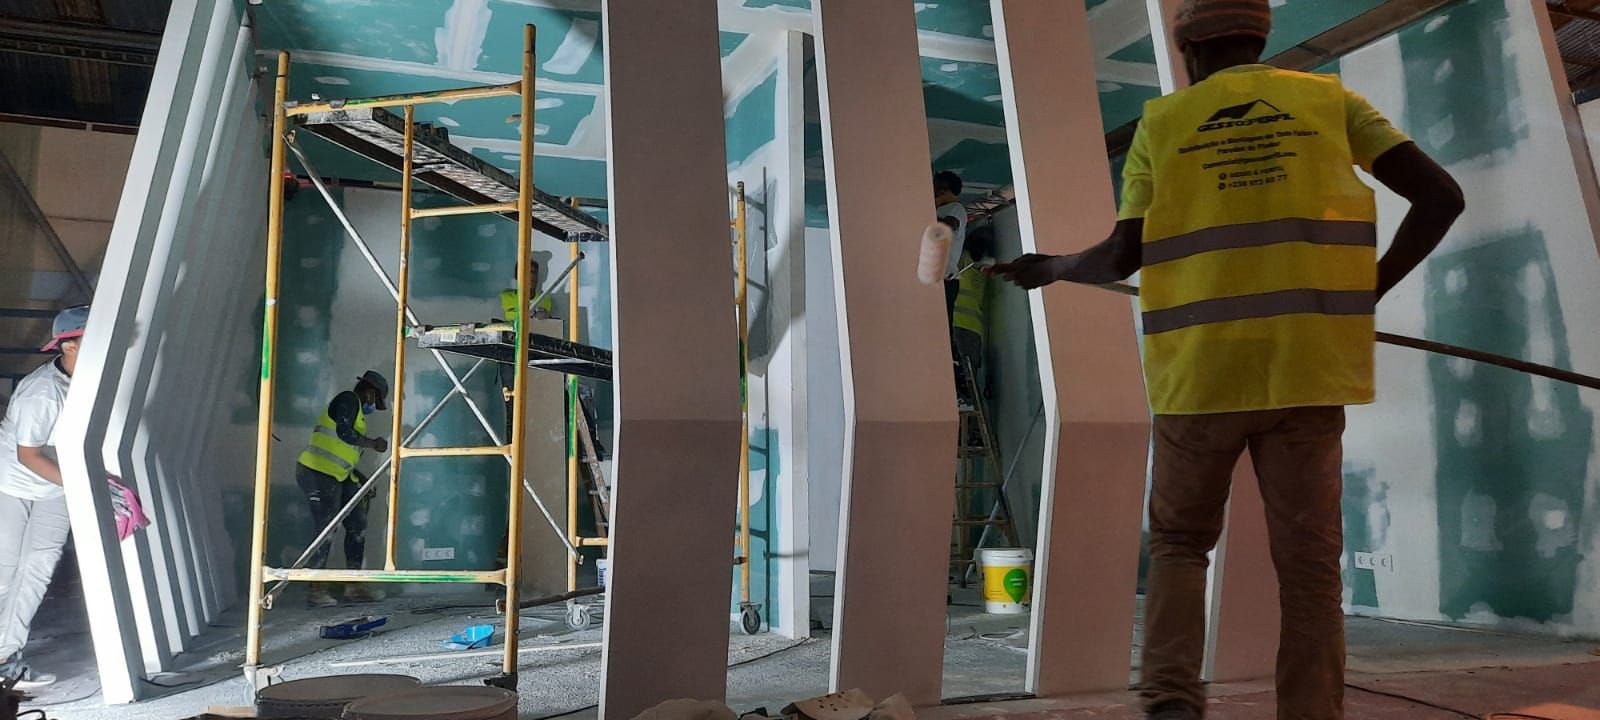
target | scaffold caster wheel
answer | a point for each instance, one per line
(579, 617)
(750, 620)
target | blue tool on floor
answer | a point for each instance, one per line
(348, 629)
(472, 638)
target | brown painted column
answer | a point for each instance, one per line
(899, 389)
(677, 373)
(1097, 418)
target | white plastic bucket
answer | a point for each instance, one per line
(1007, 579)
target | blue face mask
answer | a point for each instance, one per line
(369, 409)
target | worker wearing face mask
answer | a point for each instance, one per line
(327, 474)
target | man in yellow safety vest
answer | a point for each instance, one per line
(327, 474)
(1260, 279)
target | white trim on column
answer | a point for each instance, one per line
(114, 612)
(791, 566)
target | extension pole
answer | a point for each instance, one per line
(269, 337)
(742, 298)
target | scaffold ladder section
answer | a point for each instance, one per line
(522, 208)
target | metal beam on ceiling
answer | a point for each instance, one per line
(79, 41)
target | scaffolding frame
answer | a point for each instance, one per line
(513, 449)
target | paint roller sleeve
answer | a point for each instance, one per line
(935, 249)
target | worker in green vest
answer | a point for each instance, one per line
(967, 314)
(327, 474)
(543, 310)
(508, 300)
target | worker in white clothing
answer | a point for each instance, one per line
(33, 507)
(949, 210)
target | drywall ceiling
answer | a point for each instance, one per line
(344, 48)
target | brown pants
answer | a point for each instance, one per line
(1297, 455)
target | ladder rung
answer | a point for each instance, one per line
(497, 577)
(593, 542)
(463, 210)
(407, 452)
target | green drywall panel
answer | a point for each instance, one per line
(1296, 21)
(1463, 98)
(1513, 450)
(964, 91)
(978, 163)
(1365, 501)
(967, 18)
(753, 122)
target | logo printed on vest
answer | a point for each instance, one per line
(1240, 116)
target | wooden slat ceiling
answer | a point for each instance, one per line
(1577, 24)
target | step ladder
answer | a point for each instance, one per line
(599, 491)
(978, 475)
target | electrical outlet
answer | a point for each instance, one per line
(445, 553)
(1375, 561)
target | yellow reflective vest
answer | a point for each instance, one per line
(508, 304)
(968, 311)
(1259, 249)
(329, 455)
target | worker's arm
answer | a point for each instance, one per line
(1112, 260)
(1436, 202)
(35, 459)
(343, 411)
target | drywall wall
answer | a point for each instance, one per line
(1475, 485)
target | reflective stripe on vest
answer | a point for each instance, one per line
(328, 454)
(1260, 249)
(968, 311)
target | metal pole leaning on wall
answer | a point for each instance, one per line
(519, 403)
(411, 317)
(1439, 348)
(269, 337)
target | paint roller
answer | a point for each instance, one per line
(935, 252)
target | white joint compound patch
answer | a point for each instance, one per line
(575, 49)
(1551, 519)
(460, 41)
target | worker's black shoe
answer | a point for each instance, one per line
(1174, 710)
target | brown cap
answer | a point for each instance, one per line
(1200, 20)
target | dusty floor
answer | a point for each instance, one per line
(1474, 671)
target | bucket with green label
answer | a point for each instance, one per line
(1007, 579)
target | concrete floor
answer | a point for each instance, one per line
(1476, 671)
